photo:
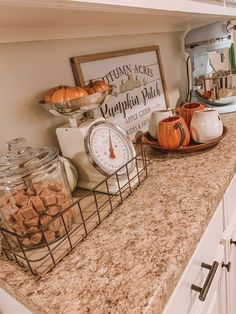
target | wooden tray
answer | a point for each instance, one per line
(191, 148)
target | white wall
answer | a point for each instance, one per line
(28, 69)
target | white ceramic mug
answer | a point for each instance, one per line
(206, 125)
(155, 118)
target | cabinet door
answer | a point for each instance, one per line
(230, 202)
(215, 301)
(232, 278)
(229, 241)
(183, 297)
(9, 305)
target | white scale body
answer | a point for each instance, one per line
(72, 144)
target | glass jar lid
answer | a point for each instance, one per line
(21, 159)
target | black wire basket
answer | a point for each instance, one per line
(91, 208)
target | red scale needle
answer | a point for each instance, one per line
(111, 150)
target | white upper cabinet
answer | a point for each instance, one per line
(29, 20)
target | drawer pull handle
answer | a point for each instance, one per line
(232, 242)
(206, 286)
(227, 266)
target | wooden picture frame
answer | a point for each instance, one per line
(139, 84)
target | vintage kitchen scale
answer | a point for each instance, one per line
(97, 148)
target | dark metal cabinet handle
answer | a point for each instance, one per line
(232, 242)
(206, 286)
(227, 266)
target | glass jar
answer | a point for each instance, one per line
(34, 195)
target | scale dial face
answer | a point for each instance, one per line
(109, 148)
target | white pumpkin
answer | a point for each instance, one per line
(71, 173)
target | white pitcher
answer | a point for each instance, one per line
(206, 125)
(155, 118)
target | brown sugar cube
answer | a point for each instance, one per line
(55, 225)
(28, 212)
(61, 232)
(26, 242)
(53, 210)
(50, 200)
(11, 205)
(20, 191)
(55, 186)
(68, 218)
(45, 192)
(18, 218)
(32, 222)
(50, 236)
(36, 238)
(21, 199)
(10, 209)
(65, 205)
(44, 219)
(48, 197)
(6, 199)
(38, 204)
(61, 198)
(40, 186)
(32, 230)
(10, 220)
(19, 229)
(30, 190)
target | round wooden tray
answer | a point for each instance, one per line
(191, 148)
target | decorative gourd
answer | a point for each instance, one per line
(71, 173)
(59, 94)
(173, 132)
(188, 109)
(74, 93)
(99, 84)
(47, 97)
(64, 93)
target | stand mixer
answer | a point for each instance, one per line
(97, 148)
(199, 43)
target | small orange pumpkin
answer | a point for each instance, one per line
(101, 84)
(64, 93)
(173, 132)
(188, 109)
(50, 92)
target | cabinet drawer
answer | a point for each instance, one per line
(230, 201)
(183, 296)
(215, 302)
(9, 305)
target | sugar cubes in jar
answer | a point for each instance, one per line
(34, 195)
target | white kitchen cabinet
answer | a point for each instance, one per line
(230, 202)
(9, 305)
(215, 302)
(208, 250)
(29, 20)
(229, 241)
(220, 238)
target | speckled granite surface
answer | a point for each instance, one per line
(133, 260)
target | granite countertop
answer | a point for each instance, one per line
(132, 262)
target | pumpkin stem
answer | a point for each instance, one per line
(90, 83)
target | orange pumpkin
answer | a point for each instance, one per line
(101, 84)
(173, 132)
(50, 92)
(188, 109)
(64, 93)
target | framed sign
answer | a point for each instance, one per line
(138, 82)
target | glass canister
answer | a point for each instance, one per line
(34, 194)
